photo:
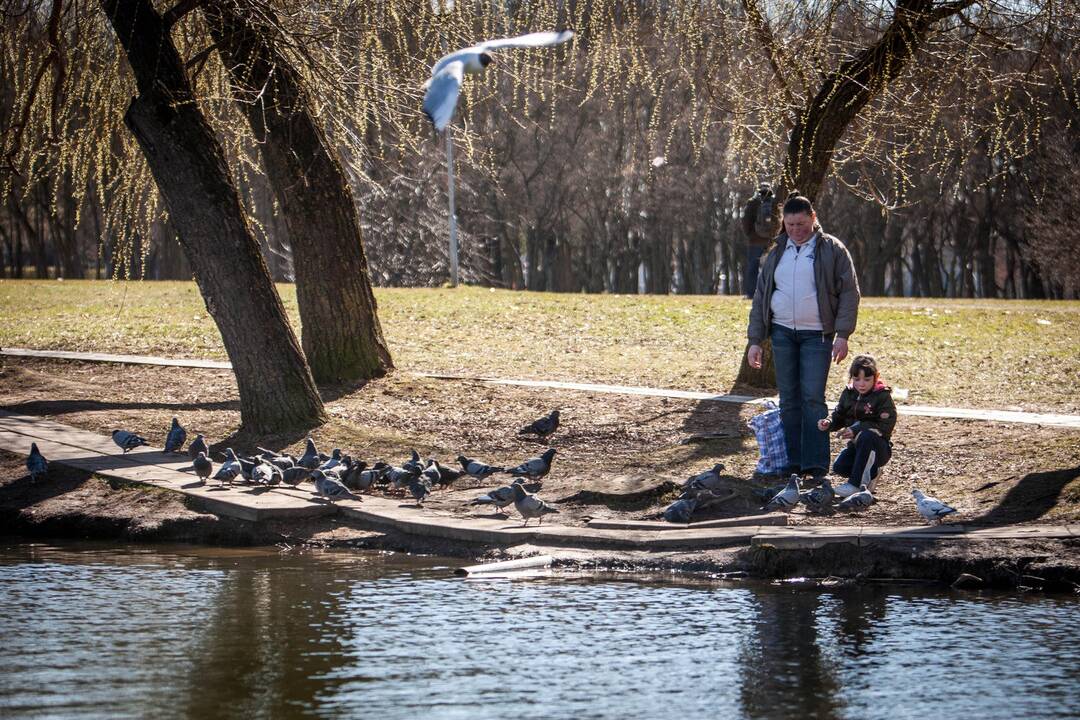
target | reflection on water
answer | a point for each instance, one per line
(107, 631)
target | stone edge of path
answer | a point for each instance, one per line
(1007, 416)
(66, 445)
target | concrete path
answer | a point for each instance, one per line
(1007, 416)
(91, 452)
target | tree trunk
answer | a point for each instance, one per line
(765, 377)
(276, 387)
(340, 330)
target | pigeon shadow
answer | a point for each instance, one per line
(1031, 498)
(63, 407)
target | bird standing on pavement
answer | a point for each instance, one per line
(230, 469)
(476, 468)
(174, 441)
(331, 488)
(930, 507)
(499, 497)
(127, 440)
(819, 498)
(544, 427)
(448, 73)
(529, 506)
(198, 445)
(857, 501)
(786, 498)
(535, 468)
(310, 459)
(203, 466)
(708, 480)
(36, 463)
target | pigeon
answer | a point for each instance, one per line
(857, 501)
(127, 440)
(681, 510)
(500, 497)
(419, 487)
(529, 506)
(535, 468)
(767, 493)
(787, 497)
(310, 459)
(351, 477)
(708, 480)
(331, 488)
(295, 475)
(363, 479)
(431, 475)
(447, 476)
(399, 477)
(36, 463)
(444, 86)
(477, 469)
(247, 465)
(818, 498)
(543, 427)
(198, 445)
(265, 474)
(333, 462)
(930, 507)
(174, 441)
(414, 463)
(203, 466)
(230, 469)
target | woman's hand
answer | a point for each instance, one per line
(753, 356)
(847, 434)
(823, 424)
(839, 350)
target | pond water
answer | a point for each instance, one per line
(108, 631)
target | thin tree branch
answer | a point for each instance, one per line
(772, 51)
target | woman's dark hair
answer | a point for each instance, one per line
(796, 203)
(863, 365)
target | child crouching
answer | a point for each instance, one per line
(865, 414)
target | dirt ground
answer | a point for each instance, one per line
(618, 456)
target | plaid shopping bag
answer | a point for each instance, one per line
(770, 438)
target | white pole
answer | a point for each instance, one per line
(453, 213)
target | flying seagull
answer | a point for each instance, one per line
(449, 72)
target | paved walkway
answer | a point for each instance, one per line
(91, 452)
(1007, 416)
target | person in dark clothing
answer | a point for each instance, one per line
(866, 416)
(760, 226)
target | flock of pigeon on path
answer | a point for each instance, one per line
(337, 476)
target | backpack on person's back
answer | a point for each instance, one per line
(764, 224)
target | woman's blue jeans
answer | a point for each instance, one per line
(801, 358)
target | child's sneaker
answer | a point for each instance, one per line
(845, 490)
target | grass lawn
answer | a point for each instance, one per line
(968, 353)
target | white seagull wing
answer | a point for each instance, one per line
(442, 94)
(539, 39)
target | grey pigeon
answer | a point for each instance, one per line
(499, 497)
(529, 506)
(431, 475)
(447, 74)
(36, 463)
(414, 464)
(857, 501)
(765, 494)
(333, 462)
(930, 507)
(351, 477)
(331, 488)
(127, 440)
(230, 469)
(174, 441)
(477, 469)
(446, 475)
(681, 510)
(310, 458)
(786, 498)
(203, 466)
(399, 477)
(295, 475)
(535, 468)
(247, 466)
(264, 474)
(198, 445)
(544, 427)
(419, 487)
(708, 480)
(819, 498)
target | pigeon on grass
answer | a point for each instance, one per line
(544, 427)
(448, 73)
(534, 468)
(36, 464)
(127, 440)
(930, 507)
(529, 506)
(786, 498)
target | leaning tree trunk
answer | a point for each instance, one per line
(340, 330)
(276, 388)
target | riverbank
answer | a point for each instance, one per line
(78, 505)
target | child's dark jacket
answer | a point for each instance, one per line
(873, 411)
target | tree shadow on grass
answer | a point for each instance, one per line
(24, 492)
(1031, 498)
(63, 407)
